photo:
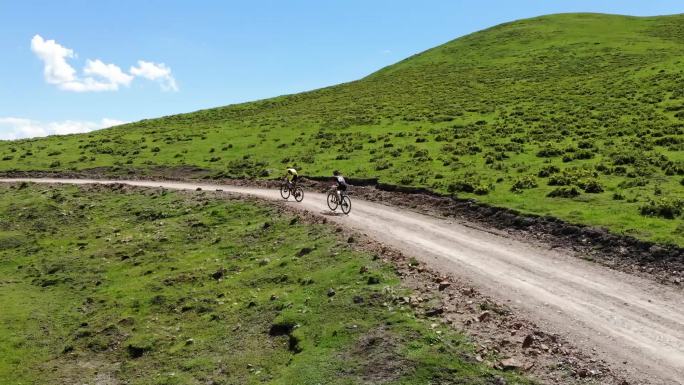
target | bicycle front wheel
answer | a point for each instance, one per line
(298, 194)
(284, 191)
(346, 204)
(332, 200)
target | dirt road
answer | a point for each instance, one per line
(636, 325)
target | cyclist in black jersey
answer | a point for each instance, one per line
(341, 184)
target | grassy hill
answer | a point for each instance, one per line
(579, 116)
(120, 286)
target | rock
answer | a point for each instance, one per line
(189, 341)
(528, 341)
(218, 274)
(357, 299)
(443, 285)
(510, 364)
(363, 269)
(264, 262)
(373, 280)
(266, 225)
(304, 251)
(498, 380)
(274, 297)
(435, 311)
(331, 292)
(484, 316)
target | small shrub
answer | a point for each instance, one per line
(524, 183)
(549, 152)
(564, 192)
(591, 186)
(547, 171)
(668, 208)
(382, 165)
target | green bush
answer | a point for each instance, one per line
(668, 208)
(524, 183)
(591, 186)
(547, 171)
(564, 192)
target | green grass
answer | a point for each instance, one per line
(599, 96)
(102, 286)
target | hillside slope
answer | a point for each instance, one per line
(579, 116)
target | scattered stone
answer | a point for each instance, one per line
(484, 316)
(218, 274)
(304, 251)
(373, 280)
(510, 364)
(363, 270)
(357, 299)
(528, 341)
(331, 292)
(189, 341)
(443, 285)
(264, 262)
(435, 311)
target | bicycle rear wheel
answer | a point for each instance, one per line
(284, 191)
(332, 200)
(345, 204)
(298, 194)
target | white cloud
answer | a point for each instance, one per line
(110, 72)
(53, 55)
(159, 72)
(97, 75)
(17, 128)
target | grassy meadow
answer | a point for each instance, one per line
(577, 116)
(102, 286)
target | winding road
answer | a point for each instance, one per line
(635, 325)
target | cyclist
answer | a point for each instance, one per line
(341, 184)
(291, 176)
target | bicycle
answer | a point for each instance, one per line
(287, 189)
(334, 201)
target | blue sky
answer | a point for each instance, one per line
(200, 54)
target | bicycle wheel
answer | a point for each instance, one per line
(298, 194)
(332, 200)
(346, 204)
(284, 191)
